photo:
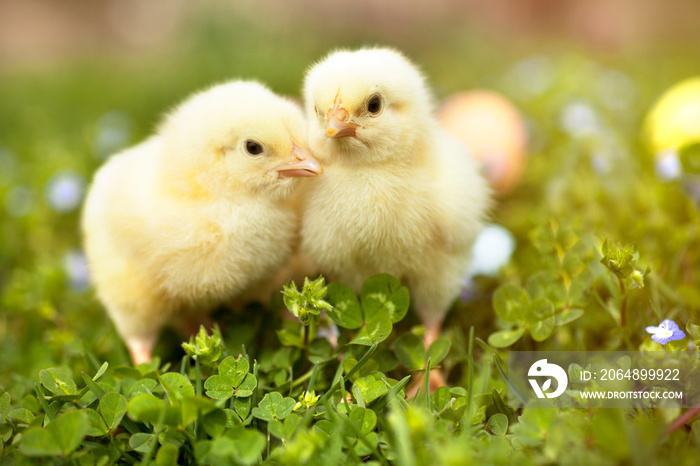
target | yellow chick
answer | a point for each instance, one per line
(192, 216)
(399, 195)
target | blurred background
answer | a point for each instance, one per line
(81, 79)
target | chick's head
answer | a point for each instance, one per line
(366, 106)
(235, 139)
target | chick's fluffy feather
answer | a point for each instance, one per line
(187, 219)
(401, 197)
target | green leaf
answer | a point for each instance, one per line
(113, 407)
(69, 429)
(101, 370)
(192, 406)
(58, 380)
(376, 331)
(141, 442)
(176, 385)
(6, 432)
(238, 446)
(567, 316)
(498, 403)
(383, 296)
(498, 424)
(147, 408)
(39, 442)
(96, 425)
(5, 400)
(242, 406)
(540, 318)
(346, 311)
(692, 329)
(59, 438)
(276, 429)
(274, 407)
(246, 388)
(142, 386)
(22, 415)
(511, 303)
(547, 285)
(95, 387)
(235, 369)
(579, 289)
(215, 422)
(289, 338)
(325, 427)
(363, 419)
(249, 445)
(370, 388)
(505, 338)
(167, 455)
(284, 430)
(574, 260)
(410, 351)
(218, 387)
(438, 350)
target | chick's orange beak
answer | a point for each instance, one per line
(338, 124)
(305, 164)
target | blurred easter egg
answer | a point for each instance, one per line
(674, 120)
(492, 129)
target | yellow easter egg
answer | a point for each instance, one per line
(493, 130)
(674, 120)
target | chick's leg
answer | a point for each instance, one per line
(141, 348)
(433, 294)
(138, 323)
(432, 333)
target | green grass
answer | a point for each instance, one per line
(560, 214)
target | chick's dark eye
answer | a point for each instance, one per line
(374, 105)
(253, 148)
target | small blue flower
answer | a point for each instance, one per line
(64, 191)
(665, 332)
(76, 267)
(668, 165)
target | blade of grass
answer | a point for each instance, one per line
(470, 372)
(42, 401)
(522, 398)
(363, 360)
(427, 385)
(379, 404)
(312, 380)
(183, 365)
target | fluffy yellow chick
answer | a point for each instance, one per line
(399, 195)
(192, 216)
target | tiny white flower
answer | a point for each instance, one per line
(579, 119)
(492, 250)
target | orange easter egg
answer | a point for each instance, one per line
(492, 129)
